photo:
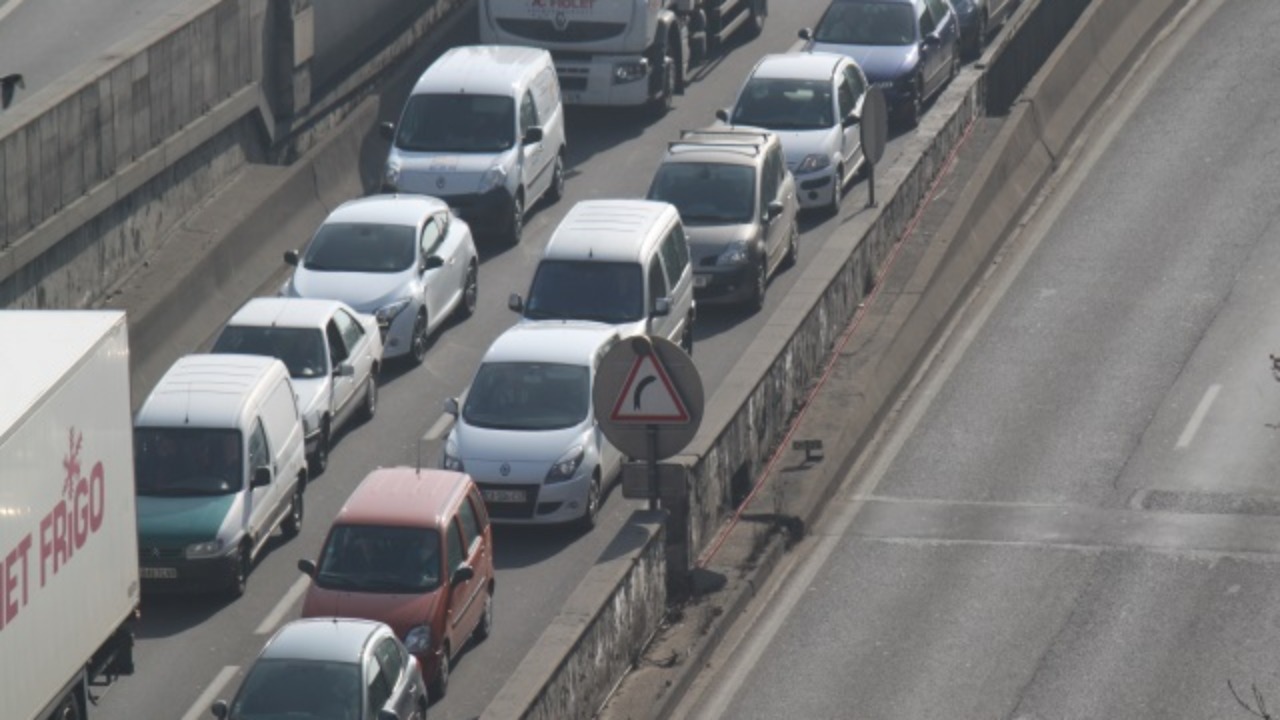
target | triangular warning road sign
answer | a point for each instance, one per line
(648, 396)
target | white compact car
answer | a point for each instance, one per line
(405, 259)
(333, 354)
(813, 101)
(525, 429)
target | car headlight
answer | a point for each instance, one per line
(494, 177)
(212, 548)
(450, 459)
(567, 465)
(418, 640)
(813, 163)
(630, 71)
(734, 254)
(391, 175)
(387, 313)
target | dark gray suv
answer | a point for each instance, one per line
(738, 203)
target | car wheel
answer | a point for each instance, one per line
(370, 407)
(240, 573)
(956, 61)
(440, 683)
(793, 248)
(484, 628)
(759, 9)
(755, 301)
(837, 193)
(515, 225)
(556, 191)
(418, 347)
(470, 292)
(915, 105)
(686, 337)
(320, 458)
(979, 37)
(292, 524)
(592, 510)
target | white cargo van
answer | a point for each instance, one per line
(483, 130)
(221, 463)
(620, 262)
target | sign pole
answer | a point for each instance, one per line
(652, 431)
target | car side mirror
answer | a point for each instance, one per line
(533, 135)
(344, 369)
(387, 130)
(432, 262)
(515, 303)
(308, 567)
(805, 34)
(851, 119)
(291, 257)
(219, 709)
(661, 307)
(773, 210)
(464, 573)
(722, 115)
(451, 406)
(261, 477)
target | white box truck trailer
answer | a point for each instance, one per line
(68, 540)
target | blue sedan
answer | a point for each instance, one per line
(910, 49)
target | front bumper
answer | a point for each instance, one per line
(484, 212)
(535, 504)
(723, 284)
(815, 189)
(168, 570)
(397, 337)
(591, 83)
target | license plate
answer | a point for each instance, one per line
(700, 281)
(150, 573)
(504, 496)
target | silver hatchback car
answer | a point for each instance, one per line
(329, 669)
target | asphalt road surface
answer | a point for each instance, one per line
(1075, 514)
(192, 650)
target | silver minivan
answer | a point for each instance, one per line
(483, 130)
(624, 263)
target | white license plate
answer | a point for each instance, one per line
(700, 281)
(150, 573)
(505, 496)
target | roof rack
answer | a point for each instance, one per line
(727, 132)
(740, 140)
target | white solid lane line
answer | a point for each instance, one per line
(201, 707)
(440, 427)
(9, 7)
(1193, 425)
(286, 603)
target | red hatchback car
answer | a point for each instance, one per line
(413, 549)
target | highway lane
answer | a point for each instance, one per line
(1075, 514)
(46, 39)
(192, 649)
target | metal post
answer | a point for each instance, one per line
(871, 184)
(652, 431)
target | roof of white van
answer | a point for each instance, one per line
(616, 230)
(286, 312)
(39, 348)
(572, 342)
(207, 391)
(479, 70)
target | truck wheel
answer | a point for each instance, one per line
(292, 524)
(661, 105)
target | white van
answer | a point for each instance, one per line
(621, 262)
(483, 129)
(220, 463)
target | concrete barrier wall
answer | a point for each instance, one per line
(752, 409)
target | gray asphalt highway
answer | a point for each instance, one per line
(1075, 514)
(193, 650)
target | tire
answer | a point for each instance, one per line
(515, 224)
(686, 337)
(470, 292)
(419, 341)
(320, 458)
(837, 193)
(660, 106)
(911, 115)
(292, 524)
(440, 683)
(793, 248)
(484, 628)
(69, 709)
(759, 9)
(755, 301)
(239, 581)
(588, 520)
(370, 406)
(555, 193)
(956, 62)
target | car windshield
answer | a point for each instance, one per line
(289, 689)
(785, 104)
(528, 396)
(707, 193)
(301, 349)
(457, 123)
(374, 558)
(360, 247)
(187, 462)
(867, 23)
(608, 292)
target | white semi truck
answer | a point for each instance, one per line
(621, 52)
(68, 539)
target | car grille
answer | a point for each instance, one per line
(573, 84)
(152, 555)
(574, 31)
